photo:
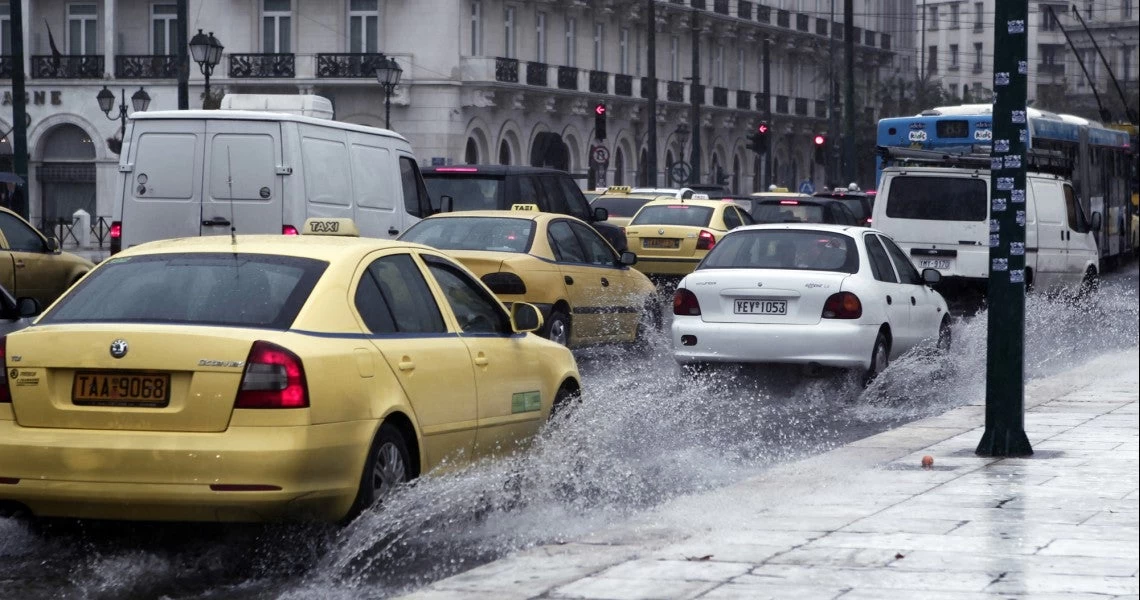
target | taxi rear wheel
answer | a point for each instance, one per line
(388, 466)
(558, 328)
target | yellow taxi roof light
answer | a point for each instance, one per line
(619, 189)
(526, 207)
(330, 226)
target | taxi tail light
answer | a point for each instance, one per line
(116, 233)
(685, 303)
(843, 305)
(5, 391)
(705, 240)
(289, 230)
(273, 378)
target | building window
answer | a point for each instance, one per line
(81, 28)
(977, 57)
(540, 36)
(954, 23)
(363, 26)
(599, 45)
(571, 41)
(509, 32)
(637, 53)
(740, 68)
(504, 153)
(5, 30)
(954, 57)
(1126, 9)
(932, 24)
(674, 58)
(718, 65)
(1048, 21)
(476, 28)
(623, 51)
(1126, 54)
(471, 152)
(163, 29)
(932, 59)
(979, 16)
(276, 23)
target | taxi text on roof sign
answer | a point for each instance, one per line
(525, 207)
(330, 226)
(619, 189)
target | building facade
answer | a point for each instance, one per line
(955, 47)
(484, 81)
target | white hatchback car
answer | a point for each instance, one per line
(810, 294)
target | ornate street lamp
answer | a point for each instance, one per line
(206, 50)
(388, 74)
(140, 100)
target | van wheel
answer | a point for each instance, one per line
(386, 468)
(944, 335)
(880, 358)
(1090, 284)
(558, 327)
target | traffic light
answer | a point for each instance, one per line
(600, 121)
(758, 141)
(820, 141)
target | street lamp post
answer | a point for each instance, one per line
(682, 134)
(140, 100)
(206, 50)
(388, 74)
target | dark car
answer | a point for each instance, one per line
(498, 187)
(855, 199)
(803, 210)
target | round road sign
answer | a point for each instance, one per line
(600, 154)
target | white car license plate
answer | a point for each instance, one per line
(761, 307)
(934, 263)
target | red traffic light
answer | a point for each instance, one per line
(600, 110)
(819, 139)
(762, 128)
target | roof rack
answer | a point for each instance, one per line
(1039, 160)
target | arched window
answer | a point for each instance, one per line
(67, 173)
(643, 169)
(504, 153)
(471, 154)
(619, 167)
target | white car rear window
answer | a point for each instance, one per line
(789, 249)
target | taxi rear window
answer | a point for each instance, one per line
(237, 290)
(495, 234)
(619, 207)
(775, 212)
(674, 214)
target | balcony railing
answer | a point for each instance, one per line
(5, 67)
(567, 78)
(536, 74)
(356, 65)
(720, 96)
(70, 66)
(674, 91)
(623, 85)
(801, 107)
(743, 99)
(782, 105)
(155, 66)
(260, 66)
(599, 82)
(507, 70)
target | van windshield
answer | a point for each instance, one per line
(468, 192)
(937, 198)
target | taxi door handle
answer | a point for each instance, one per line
(393, 231)
(888, 299)
(912, 301)
(215, 222)
(481, 360)
(20, 264)
(605, 282)
(568, 279)
(406, 364)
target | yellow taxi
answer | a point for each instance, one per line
(586, 291)
(622, 203)
(31, 265)
(255, 378)
(671, 236)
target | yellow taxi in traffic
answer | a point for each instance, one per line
(586, 291)
(32, 265)
(622, 203)
(266, 377)
(671, 236)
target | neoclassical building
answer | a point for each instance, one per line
(484, 81)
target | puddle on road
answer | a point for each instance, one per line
(641, 435)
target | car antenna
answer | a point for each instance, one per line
(230, 183)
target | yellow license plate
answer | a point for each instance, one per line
(660, 243)
(121, 389)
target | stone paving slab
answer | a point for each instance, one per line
(865, 521)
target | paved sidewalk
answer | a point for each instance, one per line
(867, 521)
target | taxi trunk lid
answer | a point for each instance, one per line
(782, 296)
(665, 241)
(167, 378)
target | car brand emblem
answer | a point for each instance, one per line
(759, 284)
(119, 348)
(660, 232)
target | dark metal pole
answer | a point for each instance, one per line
(123, 114)
(849, 171)
(769, 176)
(19, 109)
(1005, 341)
(387, 108)
(183, 56)
(651, 81)
(833, 110)
(696, 96)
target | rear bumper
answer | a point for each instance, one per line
(650, 265)
(167, 476)
(829, 343)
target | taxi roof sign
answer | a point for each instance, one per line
(330, 226)
(619, 189)
(525, 207)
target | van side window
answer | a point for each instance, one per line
(528, 192)
(576, 204)
(415, 194)
(556, 199)
(880, 263)
(1077, 221)
(392, 297)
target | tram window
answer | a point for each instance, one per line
(938, 199)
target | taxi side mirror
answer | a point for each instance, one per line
(931, 276)
(525, 317)
(28, 307)
(601, 214)
(53, 245)
(628, 259)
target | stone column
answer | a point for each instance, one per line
(109, 37)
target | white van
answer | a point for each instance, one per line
(207, 172)
(940, 216)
